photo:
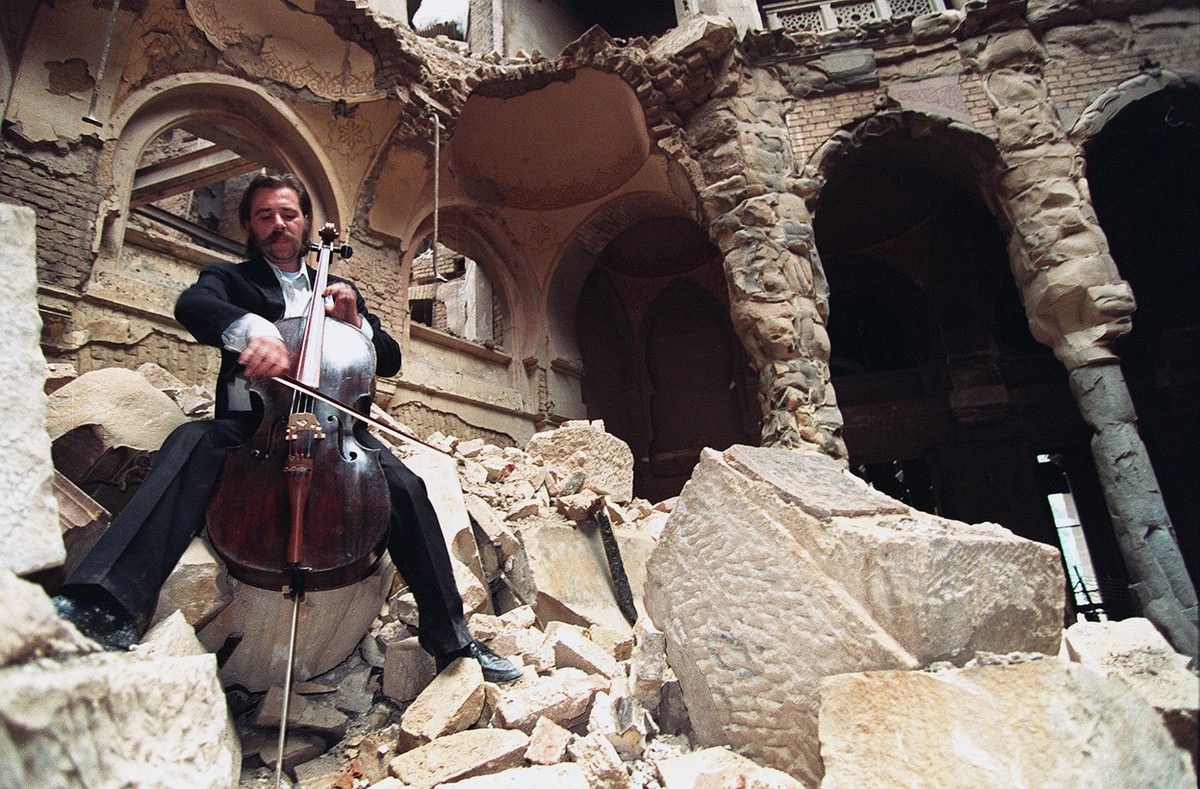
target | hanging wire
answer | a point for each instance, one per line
(112, 21)
(437, 178)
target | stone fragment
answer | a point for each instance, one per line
(605, 459)
(547, 742)
(305, 713)
(720, 767)
(194, 401)
(299, 748)
(527, 644)
(30, 627)
(568, 565)
(117, 720)
(450, 703)
(614, 642)
(29, 535)
(557, 776)
(855, 581)
(462, 755)
(376, 750)
(624, 722)
(198, 586)
(565, 697)
(332, 623)
(325, 771)
(994, 725)
(1134, 652)
(600, 762)
(407, 670)
(105, 426)
(649, 664)
(573, 649)
(172, 635)
(80, 518)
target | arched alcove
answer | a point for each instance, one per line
(948, 401)
(1143, 172)
(661, 364)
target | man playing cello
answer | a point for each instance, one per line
(112, 593)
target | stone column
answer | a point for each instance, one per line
(777, 290)
(1077, 304)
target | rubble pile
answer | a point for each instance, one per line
(786, 593)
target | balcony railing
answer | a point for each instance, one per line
(817, 17)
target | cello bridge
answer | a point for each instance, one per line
(299, 424)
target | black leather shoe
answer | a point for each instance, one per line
(495, 668)
(104, 623)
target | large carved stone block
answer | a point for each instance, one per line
(29, 536)
(778, 568)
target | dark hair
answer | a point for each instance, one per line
(275, 181)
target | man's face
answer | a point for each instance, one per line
(278, 227)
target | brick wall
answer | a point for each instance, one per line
(62, 190)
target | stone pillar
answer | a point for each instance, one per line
(777, 290)
(1077, 304)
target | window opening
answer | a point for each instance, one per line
(1085, 587)
(457, 299)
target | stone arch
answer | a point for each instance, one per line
(905, 217)
(280, 137)
(620, 287)
(1111, 102)
(1141, 143)
(462, 232)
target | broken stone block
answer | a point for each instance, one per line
(1134, 652)
(778, 567)
(527, 644)
(547, 742)
(298, 748)
(331, 624)
(567, 566)
(113, 719)
(440, 474)
(407, 670)
(81, 520)
(106, 426)
(600, 762)
(198, 586)
(450, 703)
(30, 627)
(565, 697)
(720, 767)
(195, 402)
(376, 750)
(305, 713)
(462, 755)
(29, 536)
(573, 649)
(605, 459)
(624, 722)
(649, 664)
(557, 776)
(989, 725)
(614, 642)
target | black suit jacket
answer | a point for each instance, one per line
(225, 292)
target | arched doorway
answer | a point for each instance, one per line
(949, 403)
(662, 366)
(1143, 171)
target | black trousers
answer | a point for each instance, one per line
(133, 558)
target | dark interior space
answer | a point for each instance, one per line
(949, 402)
(1143, 170)
(662, 365)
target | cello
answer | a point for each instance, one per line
(302, 505)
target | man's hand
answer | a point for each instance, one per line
(264, 357)
(344, 306)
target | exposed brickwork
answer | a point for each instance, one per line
(63, 192)
(812, 121)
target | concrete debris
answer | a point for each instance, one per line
(772, 572)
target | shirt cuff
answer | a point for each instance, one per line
(239, 333)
